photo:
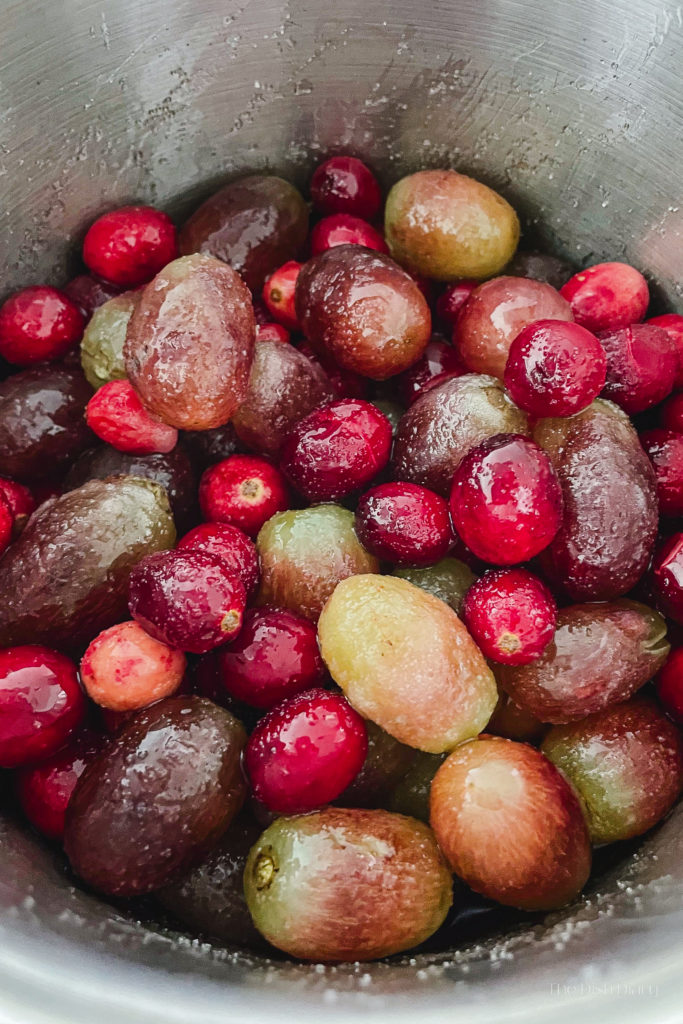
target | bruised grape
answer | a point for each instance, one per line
(104, 338)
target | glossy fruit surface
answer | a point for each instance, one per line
(671, 413)
(305, 752)
(255, 224)
(207, 447)
(495, 314)
(600, 655)
(118, 417)
(511, 615)
(607, 296)
(345, 229)
(20, 504)
(672, 323)
(452, 299)
(344, 184)
(667, 577)
(555, 368)
(41, 704)
(86, 543)
(130, 245)
(124, 668)
(274, 657)
(386, 762)
(449, 580)
(230, 545)
(187, 599)
(514, 722)
(642, 366)
(37, 324)
(337, 449)
(347, 884)
(626, 763)
(492, 787)
(272, 332)
(438, 359)
(411, 795)
(506, 500)
(89, 293)
(445, 225)
(362, 309)
(669, 684)
(104, 338)
(157, 798)
(305, 553)
(278, 294)
(404, 524)
(244, 491)
(445, 423)
(189, 343)
(665, 451)
(391, 646)
(44, 790)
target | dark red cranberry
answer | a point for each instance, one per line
(37, 324)
(337, 449)
(666, 579)
(187, 599)
(511, 614)
(452, 299)
(669, 683)
(671, 413)
(272, 332)
(116, 414)
(278, 294)
(555, 368)
(344, 229)
(672, 323)
(404, 523)
(130, 245)
(506, 500)
(665, 451)
(439, 360)
(305, 752)
(21, 503)
(607, 296)
(45, 790)
(642, 366)
(243, 490)
(231, 545)
(344, 184)
(6, 524)
(275, 656)
(89, 293)
(41, 704)
(345, 383)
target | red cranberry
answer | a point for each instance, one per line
(243, 490)
(233, 547)
(555, 368)
(272, 332)
(671, 413)
(669, 683)
(452, 299)
(89, 293)
(278, 294)
(404, 523)
(37, 324)
(672, 323)
(305, 752)
(345, 383)
(187, 599)
(343, 229)
(511, 614)
(642, 366)
(607, 296)
(41, 704)
(343, 184)
(506, 500)
(665, 451)
(21, 503)
(44, 791)
(439, 360)
(337, 449)
(667, 577)
(116, 414)
(130, 245)
(275, 656)
(6, 524)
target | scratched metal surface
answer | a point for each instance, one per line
(575, 112)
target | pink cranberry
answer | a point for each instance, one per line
(506, 500)
(672, 323)
(642, 366)
(38, 323)
(671, 413)
(45, 790)
(669, 683)
(243, 490)
(337, 449)
(345, 383)
(186, 599)
(41, 704)
(272, 332)
(555, 368)
(404, 523)
(438, 360)
(21, 504)
(607, 296)
(116, 414)
(666, 578)
(665, 451)
(305, 752)
(343, 229)
(278, 294)
(344, 184)
(275, 656)
(452, 299)
(230, 544)
(511, 614)
(89, 293)
(130, 245)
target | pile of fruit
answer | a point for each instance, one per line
(338, 562)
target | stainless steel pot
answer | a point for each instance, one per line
(574, 111)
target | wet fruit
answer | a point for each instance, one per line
(130, 245)
(118, 417)
(669, 684)
(37, 324)
(230, 545)
(642, 366)
(344, 229)
(607, 296)
(45, 789)
(244, 491)
(125, 669)
(386, 762)
(104, 337)
(511, 615)
(672, 323)
(278, 294)
(404, 524)
(344, 184)
(667, 577)
(411, 795)
(449, 580)
(665, 451)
